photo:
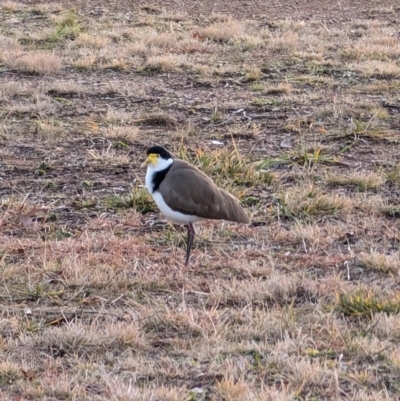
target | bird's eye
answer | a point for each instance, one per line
(158, 155)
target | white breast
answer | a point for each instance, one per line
(149, 179)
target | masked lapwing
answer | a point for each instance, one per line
(185, 195)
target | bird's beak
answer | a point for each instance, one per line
(145, 163)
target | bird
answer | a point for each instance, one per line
(185, 195)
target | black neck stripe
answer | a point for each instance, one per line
(158, 178)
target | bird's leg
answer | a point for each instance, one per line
(190, 236)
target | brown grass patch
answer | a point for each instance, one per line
(33, 62)
(282, 88)
(223, 31)
(361, 181)
(167, 63)
(11, 6)
(381, 262)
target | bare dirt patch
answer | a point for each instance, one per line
(298, 117)
(330, 11)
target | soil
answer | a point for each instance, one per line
(324, 10)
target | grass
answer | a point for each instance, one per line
(165, 63)
(67, 26)
(288, 116)
(38, 62)
(358, 181)
(227, 165)
(139, 199)
(365, 305)
(304, 158)
(306, 203)
(380, 262)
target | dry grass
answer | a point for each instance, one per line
(361, 181)
(288, 116)
(33, 62)
(381, 262)
(11, 6)
(50, 129)
(307, 202)
(166, 63)
(281, 88)
(223, 31)
(378, 68)
(39, 106)
(122, 132)
(108, 156)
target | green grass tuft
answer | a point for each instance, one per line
(308, 204)
(365, 304)
(9, 374)
(139, 199)
(68, 28)
(228, 166)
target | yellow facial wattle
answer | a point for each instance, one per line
(152, 159)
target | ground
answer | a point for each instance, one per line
(293, 108)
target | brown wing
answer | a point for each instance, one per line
(187, 190)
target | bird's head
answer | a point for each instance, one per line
(158, 158)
